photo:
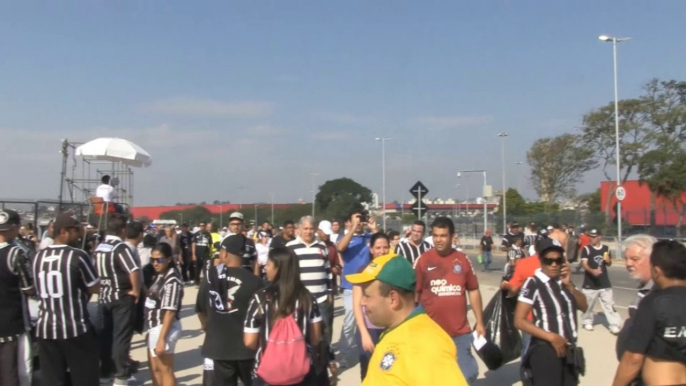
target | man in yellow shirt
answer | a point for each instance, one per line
(414, 350)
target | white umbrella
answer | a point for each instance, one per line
(115, 150)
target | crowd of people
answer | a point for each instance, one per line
(265, 302)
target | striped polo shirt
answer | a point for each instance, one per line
(315, 269)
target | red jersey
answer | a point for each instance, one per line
(442, 285)
(584, 241)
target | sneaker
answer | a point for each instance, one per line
(588, 327)
(614, 330)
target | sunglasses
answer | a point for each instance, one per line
(160, 260)
(558, 261)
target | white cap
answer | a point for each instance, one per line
(325, 226)
(237, 215)
(550, 227)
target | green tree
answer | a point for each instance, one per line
(192, 215)
(592, 200)
(516, 204)
(599, 133)
(557, 165)
(664, 172)
(337, 198)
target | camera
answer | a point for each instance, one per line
(364, 216)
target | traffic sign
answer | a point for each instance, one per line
(620, 193)
(418, 208)
(419, 190)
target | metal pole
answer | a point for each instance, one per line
(485, 207)
(619, 204)
(255, 216)
(383, 168)
(221, 217)
(272, 208)
(419, 204)
(504, 186)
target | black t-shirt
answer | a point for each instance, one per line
(279, 241)
(594, 257)
(202, 241)
(659, 327)
(185, 241)
(228, 292)
(487, 243)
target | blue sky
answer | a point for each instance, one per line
(260, 94)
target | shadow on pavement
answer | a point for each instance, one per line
(506, 375)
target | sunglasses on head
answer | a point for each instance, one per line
(160, 260)
(558, 261)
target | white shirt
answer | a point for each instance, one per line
(430, 240)
(46, 242)
(262, 253)
(106, 192)
(334, 238)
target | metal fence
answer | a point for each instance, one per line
(39, 213)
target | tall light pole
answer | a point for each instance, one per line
(457, 205)
(383, 176)
(256, 217)
(313, 191)
(221, 219)
(502, 136)
(614, 41)
(459, 174)
(519, 179)
(272, 219)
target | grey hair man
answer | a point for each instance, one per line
(315, 270)
(636, 250)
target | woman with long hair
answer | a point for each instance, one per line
(367, 335)
(286, 296)
(163, 305)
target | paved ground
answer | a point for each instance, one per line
(598, 345)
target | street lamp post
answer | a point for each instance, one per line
(313, 192)
(272, 219)
(503, 135)
(221, 219)
(383, 176)
(255, 216)
(457, 205)
(614, 41)
(459, 174)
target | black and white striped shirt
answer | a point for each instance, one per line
(554, 307)
(261, 316)
(165, 293)
(515, 253)
(62, 277)
(15, 277)
(115, 263)
(315, 269)
(411, 251)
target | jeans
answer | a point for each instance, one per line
(465, 359)
(326, 309)
(79, 355)
(365, 356)
(608, 304)
(526, 341)
(118, 321)
(347, 341)
(488, 259)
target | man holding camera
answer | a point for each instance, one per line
(354, 250)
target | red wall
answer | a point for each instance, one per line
(636, 205)
(154, 212)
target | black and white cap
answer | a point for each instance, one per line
(594, 233)
(8, 218)
(236, 215)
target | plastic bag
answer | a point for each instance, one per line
(480, 258)
(504, 344)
